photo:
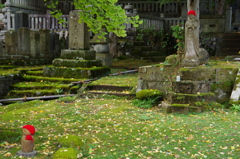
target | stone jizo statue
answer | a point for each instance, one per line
(27, 142)
(191, 58)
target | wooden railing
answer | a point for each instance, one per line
(27, 3)
(158, 23)
(40, 21)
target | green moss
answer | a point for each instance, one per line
(180, 105)
(7, 135)
(51, 79)
(65, 153)
(172, 59)
(225, 86)
(71, 141)
(148, 93)
(76, 63)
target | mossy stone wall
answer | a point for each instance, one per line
(194, 80)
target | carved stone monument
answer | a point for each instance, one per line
(191, 58)
(27, 142)
(79, 39)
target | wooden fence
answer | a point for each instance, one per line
(40, 21)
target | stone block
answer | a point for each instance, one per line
(226, 74)
(76, 63)
(78, 54)
(79, 36)
(198, 74)
(222, 91)
(24, 41)
(11, 43)
(106, 59)
(192, 98)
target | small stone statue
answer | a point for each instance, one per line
(27, 142)
(191, 58)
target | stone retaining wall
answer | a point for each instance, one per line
(218, 80)
(6, 81)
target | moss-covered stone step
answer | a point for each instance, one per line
(38, 92)
(119, 94)
(109, 88)
(50, 79)
(35, 73)
(76, 63)
(180, 98)
(75, 72)
(180, 108)
(39, 85)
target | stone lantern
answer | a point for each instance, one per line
(101, 46)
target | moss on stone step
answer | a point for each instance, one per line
(76, 72)
(76, 63)
(50, 79)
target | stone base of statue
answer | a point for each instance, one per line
(27, 154)
(190, 63)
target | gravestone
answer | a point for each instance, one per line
(34, 44)
(1, 48)
(79, 39)
(21, 20)
(77, 61)
(44, 43)
(79, 36)
(11, 42)
(24, 41)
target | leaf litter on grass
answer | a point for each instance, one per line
(117, 129)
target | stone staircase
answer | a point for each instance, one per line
(34, 84)
(230, 44)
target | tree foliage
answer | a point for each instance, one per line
(98, 14)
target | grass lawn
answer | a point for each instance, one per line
(113, 128)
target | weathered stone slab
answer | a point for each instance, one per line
(78, 54)
(79, 37)
(24, 41)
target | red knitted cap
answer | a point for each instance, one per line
(30, 128)
(192, 12)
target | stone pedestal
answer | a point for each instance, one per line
(78, 54)
(190, 62)
(27, 154)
